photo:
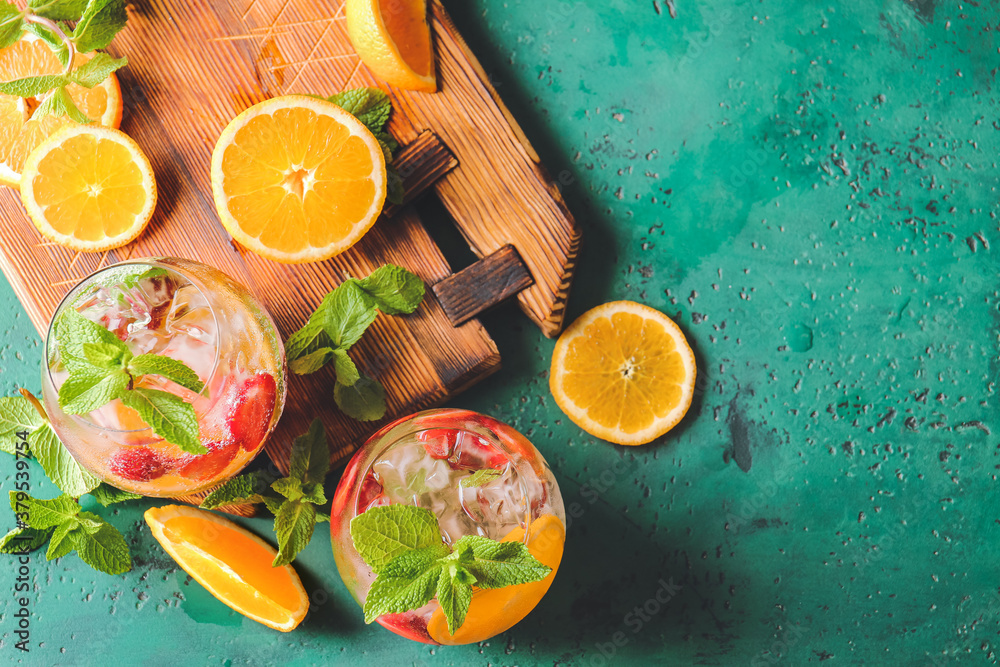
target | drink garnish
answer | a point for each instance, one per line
(293, 500)
(102, 368)
(403, 546)
(480, 478)
(97, 23)
(340, 321)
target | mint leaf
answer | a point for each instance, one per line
(347, 314)
(369, 105)
(408, 581)
(59, 10)
(501, 564)
(109, 495)
(81, 395)
(176, 371)
(109, 357)
(310, 457)
(364, 400)
(22, 540)
(480, 478)
(59, 103)
(273, 504)
(49, 37)
(43, 514)
(102, 548)
(312, 362)
(395, 191)
(169, 416)
(17, 415)
(32, 86)
(132, 280)
(61, 543)
(11, 24)
(382, 533)
(454, 594)
(96, 70)
(309, 338)
(293, 524)
(347, 371)
(394, 289)
(73, 331)
(251, 487)
(59, 465)
(100, 22)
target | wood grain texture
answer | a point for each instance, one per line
(487, 283)
(178, 99)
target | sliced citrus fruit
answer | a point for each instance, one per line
(297, 179)
(89, 188)
(19, 133)
(498, 609)
(623, 372)
(393, 39)
(232, 563)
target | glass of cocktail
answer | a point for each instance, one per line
(479, 477)
(188, 312)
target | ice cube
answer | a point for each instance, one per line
(498, 505)
(190, 315)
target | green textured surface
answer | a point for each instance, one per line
(811, 189)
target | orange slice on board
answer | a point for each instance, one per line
(89, 188)
(623, 372)
(232, 563)
(498, 609)
(297, 179)
(393, 39)
(19, 134)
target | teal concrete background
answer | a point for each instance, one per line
(810, 189)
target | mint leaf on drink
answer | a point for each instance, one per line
(170, 417)
(97, 69)
(103, 355)
(110, 495)
(481, 477)
(382, 533)
(22, 540)
(364, 400)
(176, 371)
(59, 465)
(340, 321)
(100, 22)
(82, 395)
(403, 546)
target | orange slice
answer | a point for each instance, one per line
(232, 563)
(297, 179)
(623, 372)
(19, 134)
(499, 609)
(89, 188)
(393, 39)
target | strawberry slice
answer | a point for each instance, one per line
(206, 466)
(138, 464)
(369, 491)
(407, 625)
(250, 418)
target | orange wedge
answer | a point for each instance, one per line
(498, 609)
(393, 39)
(89, 188)
(232, 563)
(297, 179)
(19, 134)
(623, 372)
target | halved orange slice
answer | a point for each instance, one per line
(89, 188)
(297, 179)
(393, 39)
(232, 563)
(623, 372)
(19, 133)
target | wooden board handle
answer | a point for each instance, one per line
(485, 284)
(420, 163)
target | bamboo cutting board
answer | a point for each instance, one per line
(196, 64)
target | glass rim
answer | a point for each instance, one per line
(166, 263)
(406, 428)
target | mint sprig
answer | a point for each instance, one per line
(293, 500)
(372, 107)
(67, 528)
(102, 369)
(97, 23)
(339, 322)
(404, 547)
